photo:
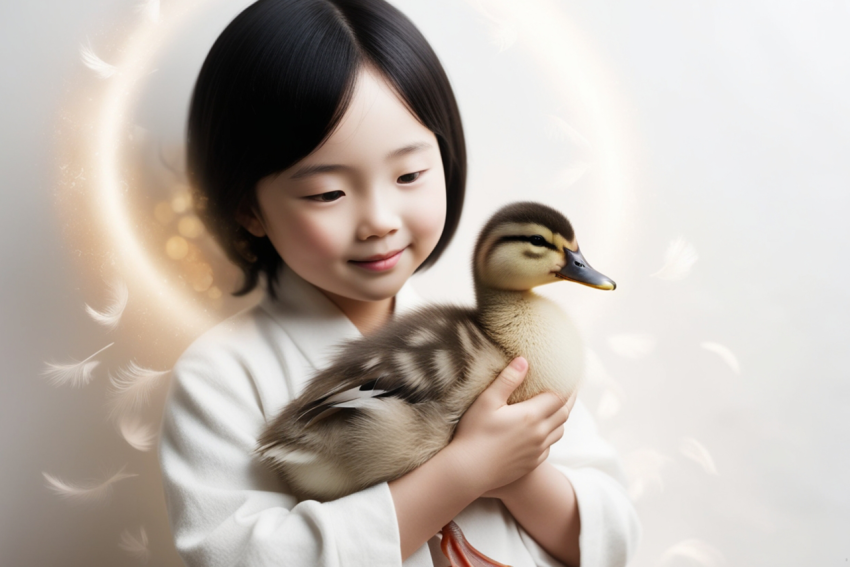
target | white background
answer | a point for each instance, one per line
(726, 124)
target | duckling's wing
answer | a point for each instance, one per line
(362, 396)
(415, 358)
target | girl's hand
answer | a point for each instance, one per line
(496, 443)
(505, 491)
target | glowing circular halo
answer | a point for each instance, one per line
(557, 49)
(138, 49)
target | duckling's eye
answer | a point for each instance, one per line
(409, 177)
(537, 240)
(327, 197)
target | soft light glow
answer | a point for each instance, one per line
(136, 56)
(539, 27)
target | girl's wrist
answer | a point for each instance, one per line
(515, 490)
(461, 468)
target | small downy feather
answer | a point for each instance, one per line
(503, 29)
(76, 374)
(632, 345)
(678, 260)
(643, 468)
(135, 545)
(725, 353)
(559, 131)
(111, 315)
(696, 451)
(132, 387)
(697, 551)
(610, 403)
(103, 69)
(150, 8)
(138, 435)
(90, 492)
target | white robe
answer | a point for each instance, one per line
(227, 509)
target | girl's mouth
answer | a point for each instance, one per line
(379, 263)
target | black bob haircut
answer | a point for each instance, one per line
(272, 89)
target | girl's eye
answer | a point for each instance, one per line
(327, 197)
(409, 177)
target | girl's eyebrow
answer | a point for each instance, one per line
(309, 170)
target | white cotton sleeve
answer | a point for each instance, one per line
(227, 510)
(610, 529)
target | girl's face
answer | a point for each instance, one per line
(357, 216)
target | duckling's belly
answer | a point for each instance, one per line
(543, 334)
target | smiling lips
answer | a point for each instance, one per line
(380, 262)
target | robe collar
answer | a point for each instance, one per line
(313, 322)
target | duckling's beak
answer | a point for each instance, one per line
(576, 269)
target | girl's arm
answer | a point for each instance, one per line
(226, 509)
(544, 503)
(575, 505)
(494, 445)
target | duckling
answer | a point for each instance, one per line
(390, 401)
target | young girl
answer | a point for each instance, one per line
(328, 155)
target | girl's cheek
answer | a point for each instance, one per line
(312, 239)
(428, 214)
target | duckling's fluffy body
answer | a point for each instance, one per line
(391, 401)
(431, 365)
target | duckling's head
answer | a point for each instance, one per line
(527, 244)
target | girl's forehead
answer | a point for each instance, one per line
(376, 123)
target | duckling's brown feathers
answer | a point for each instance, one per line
(390, 413)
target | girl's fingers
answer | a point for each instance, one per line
(554, 436)
(507, 381)
(543, 405)
(571, 401)
(557, 419)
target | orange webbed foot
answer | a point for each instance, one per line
(460, 553)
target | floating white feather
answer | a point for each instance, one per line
(725, 353)
(90, 492)
(580, 150)
(132, 387)
(76, 374)
(559, 130)
(696, 451)
(137, 546)
(139, 435)
(594, 369)
(643, 469)
(695, 550)
(103, 69)
(632, 345)
(150, 8)
(609, 404)
(678, 260)
(503, 31)
(111, 315)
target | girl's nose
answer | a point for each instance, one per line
(379, 218)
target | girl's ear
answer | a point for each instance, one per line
(251, 222)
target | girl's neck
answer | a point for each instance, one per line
(367, 316)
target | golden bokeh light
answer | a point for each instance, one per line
(190, 227)
(200, 276)
(176, 248)
(181, 202)
(163, 212)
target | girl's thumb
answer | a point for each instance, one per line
(509, 379)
